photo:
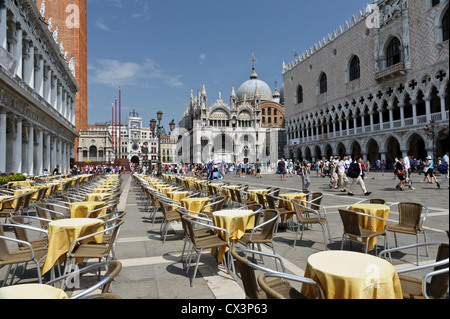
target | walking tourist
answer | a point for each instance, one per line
(355, 171)
(304, 174)
(343, 180)
(408, 171)
(400, 173)
(429, 172)
(258, 169)
(282, 169)
(445, 165)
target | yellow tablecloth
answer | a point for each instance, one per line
(32, 291)
(352, 275)
(102, 190)
(178, 196)
(80, 209)
(6, 204)
(94, 197)
(165, 190)
(373, 224)
(253, 193)
(291, 196)
(236, 222)
(195, 204)
(62, 232)
(21, 183)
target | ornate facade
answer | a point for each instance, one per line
(250, 127)
(371, 87)
(37, 93)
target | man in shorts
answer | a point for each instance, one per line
(282, 169)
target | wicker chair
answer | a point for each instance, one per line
(423, 288)
(350, 220)
(247, 272)
(412, 216)
(287, 291)
(262, 233)
(303, 215)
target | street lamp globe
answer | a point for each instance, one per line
(159, 115)
(152, 124)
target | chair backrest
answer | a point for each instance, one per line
(316, 199)
(299, 209)
(350, 220)
(410, 214)
(233, 194)
(438, 285)
(114, 269)
(270, 201)
(248, 276)
(4, 251)
(377, 201)
(269, 223)
(261, 199)
(20, 233)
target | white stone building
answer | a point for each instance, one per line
(371, 86)
(37, 93)
(250, 127)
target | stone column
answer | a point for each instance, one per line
(40, 153)
(363, 124)
(428, 108)
(30, 151)
(443, 112)
(354, 125)
(391, 116)
(19, 51)
(347, 125)
(414, 110)
(371, 120)
(39, 80)
(17, 148)
(54, 89)
(3, 27)
(340, 127)
(2, 141)
(48, 161)
(334, 128)
(402, 114)
(29, 65)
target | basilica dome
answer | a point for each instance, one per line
(248, 89)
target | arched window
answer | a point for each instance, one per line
(355, 71)
(393, 53)
(445, 26)
(299, 94)
(92, 152)
(323, 87)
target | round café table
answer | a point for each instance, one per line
(351, 275)
(63, 231)
(378, 210)
(80, 209)
(236, 222)
(32, 291)
(289, 205)
(178, 195)
(4, 203)
(195, 204)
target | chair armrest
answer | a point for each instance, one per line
(431, 274)
(258, 266)
(371, 216)
(19, 242)
(390, 250)
(303, 280)
(214, 228)
(421, 267)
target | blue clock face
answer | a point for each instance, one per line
(135, 147)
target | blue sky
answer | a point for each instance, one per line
(157, 51)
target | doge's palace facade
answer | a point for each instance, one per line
(37, 93)
(371, 86)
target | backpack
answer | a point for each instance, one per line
(354, 170)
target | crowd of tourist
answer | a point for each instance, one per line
(345, 173)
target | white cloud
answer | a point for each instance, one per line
(149, 73)
(102, 26)
(202, 58)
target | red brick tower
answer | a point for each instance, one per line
(71, 19)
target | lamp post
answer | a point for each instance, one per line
(434, 135)
(157, 131)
